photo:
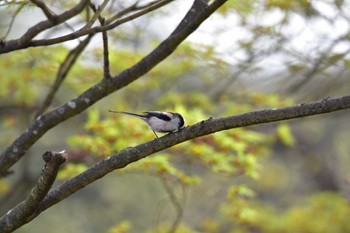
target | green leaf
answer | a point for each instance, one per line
(285, 135)
(122, 227)
(239, 191)
(70, 170)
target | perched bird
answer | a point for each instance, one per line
(162, 122)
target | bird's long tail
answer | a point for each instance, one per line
(128, 113)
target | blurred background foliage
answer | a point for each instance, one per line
(283, 177)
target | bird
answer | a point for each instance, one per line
(162, 122)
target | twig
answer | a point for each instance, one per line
(134, 7)
(96, 15)
(24, 211)
(106, 70)
(121, 13)
(62, 73)
(12, 21)
(316, 66)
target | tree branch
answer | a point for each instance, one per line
(133, 154)
(19, 9)
(23, 212)
(24, 41)
(94, 30)
(96, 15)
(135, 6)
(106, 70)
(102, 89)
(317, 65)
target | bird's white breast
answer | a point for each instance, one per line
(163, 126)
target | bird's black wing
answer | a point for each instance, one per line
(161, 115)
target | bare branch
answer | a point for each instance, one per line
(317, 65)
(24, 41)
(62, 73)
(96, 15)
(12, 21)
(106, 70)
(102, 89)
(121, 13)
(22, 213)
(45, 9)
(133, 154)
(133, 7)
(94, 30)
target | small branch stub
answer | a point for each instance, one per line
(25, 211)
(55, 157)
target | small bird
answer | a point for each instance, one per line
(162, 122)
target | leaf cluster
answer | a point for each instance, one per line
(329, 208)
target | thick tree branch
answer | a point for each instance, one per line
(24, 41)
(23, 212)
(105, 87)
(133, 154)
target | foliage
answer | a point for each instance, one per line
(123, 227)
(311, 215)
(4, 187)
(285, 135)
(26, 75)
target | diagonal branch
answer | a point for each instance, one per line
(133, 154)
(105, 87)
(22, 213)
